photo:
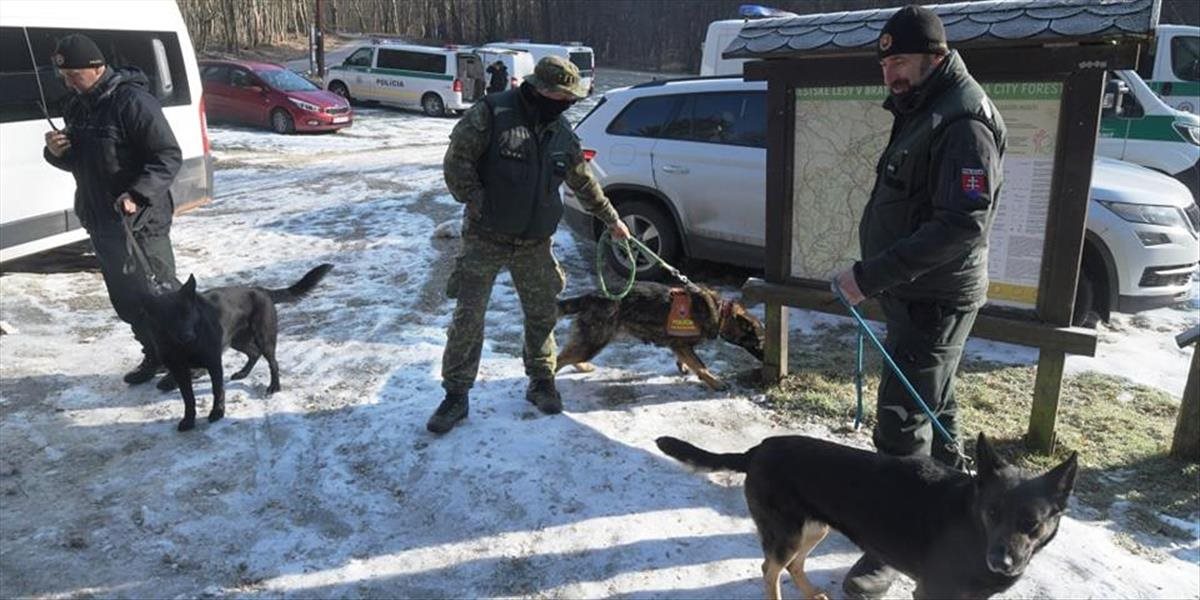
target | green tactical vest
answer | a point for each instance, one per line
(522, 170)
(901, 200)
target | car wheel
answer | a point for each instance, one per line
(433, 106)
(340, 89)
(281, 121)
(653, 227)
(1087, 313)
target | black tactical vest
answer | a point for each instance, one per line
(523, 169)
(901, 199)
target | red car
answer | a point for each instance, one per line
(265, 94)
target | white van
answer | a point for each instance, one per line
(36, 199)
(518, 62)
(1172, 66)
(718, 37)
(576, 52)
(436, 79)
(1139, 127)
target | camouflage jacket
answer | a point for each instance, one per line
(469, 144)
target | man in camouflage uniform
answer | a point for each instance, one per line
(924, 240)
(507, 158)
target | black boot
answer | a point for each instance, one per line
(145, 371)
(452, 410)
(868, 578)
(542, 394)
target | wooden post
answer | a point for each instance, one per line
(1185, 444)
(775, 348)
(1079, 118)
(1046, 389)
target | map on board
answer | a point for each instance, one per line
(840, 134)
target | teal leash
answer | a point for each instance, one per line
(865, 330)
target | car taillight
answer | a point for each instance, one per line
(457, 85)
(204, 128)
(588, 154)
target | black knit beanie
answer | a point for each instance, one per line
(913, 30)
(77, 51)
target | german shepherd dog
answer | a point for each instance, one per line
(956, 535)
(192, 330)
(643, 314)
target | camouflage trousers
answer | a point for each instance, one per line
(926, 340)
(538, 280)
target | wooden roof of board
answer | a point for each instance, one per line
(985, 23)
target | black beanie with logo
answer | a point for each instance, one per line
(913, 30)
(77, 51)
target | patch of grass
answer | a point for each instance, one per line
(1121, 430)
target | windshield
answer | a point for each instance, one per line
(287, 81)
(583, 60)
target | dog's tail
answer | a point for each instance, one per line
(703, 459)
(302, 287)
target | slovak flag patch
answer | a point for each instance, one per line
(974, 183)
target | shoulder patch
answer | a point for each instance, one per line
(974, 182)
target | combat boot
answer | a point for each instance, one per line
(452, 410)
(145, 371)
(542, 394)
(869, 578)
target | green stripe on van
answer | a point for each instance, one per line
(1153, 128)
(398, 72)
(1178, 88)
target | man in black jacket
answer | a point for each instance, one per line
(121, 150)
(923, 238)
(498, 81)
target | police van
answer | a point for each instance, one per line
(582, 56)
(36, 199)
(1172, 66)
(1138, 126)
(436, 79)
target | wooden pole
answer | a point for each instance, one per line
(1185, 444)
(775, 348)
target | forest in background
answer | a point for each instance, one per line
(633, 34)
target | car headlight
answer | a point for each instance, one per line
(304, 105)
(1167, 216)
(1189, 131)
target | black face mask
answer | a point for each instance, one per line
(548, 109)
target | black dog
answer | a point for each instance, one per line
(643, 314)
(957, 536)
(193, 329)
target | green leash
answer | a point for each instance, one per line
(632, 247)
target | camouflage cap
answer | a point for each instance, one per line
(557, 74)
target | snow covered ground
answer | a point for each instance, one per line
(332, 487)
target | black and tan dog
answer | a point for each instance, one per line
(643, 314)
(956, 535)
(192, 329)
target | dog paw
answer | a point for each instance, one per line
(585, 367)
(186, 425)
(239, 375)
(820, 595)
(274, 387)
(167, 383)
(216, 415)
(682, 367)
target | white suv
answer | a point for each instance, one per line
(683, 162)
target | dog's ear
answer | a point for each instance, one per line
(1060, 480)
(986, 458)
(189, 288)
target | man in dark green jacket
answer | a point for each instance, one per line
(924, 237)
(120, 148)
(506, 160)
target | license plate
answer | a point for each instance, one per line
(341, 119)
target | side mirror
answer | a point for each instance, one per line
(1114, 97)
